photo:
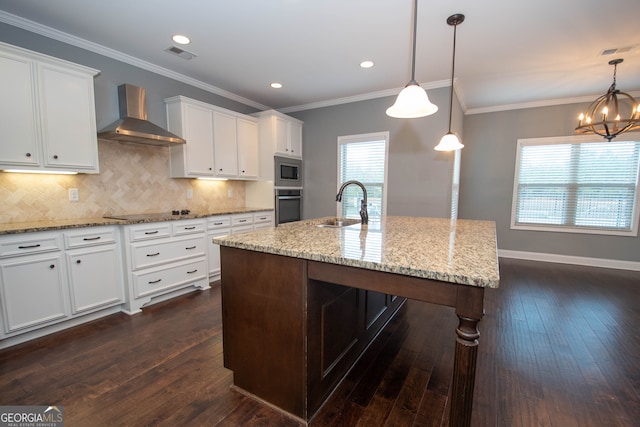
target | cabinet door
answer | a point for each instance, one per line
(17, 112)
(67, 113)
(198, 131)
(95, 278)
(213, 252)
(247, 149)
(32, 291)
(225, 144)
(280, 130)
(295, 139)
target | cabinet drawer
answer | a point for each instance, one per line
(29, 244)
(219, 222)
(167, 277)
(89, 237)
(151, 254)
(242, 229)
(181, 228)
(241, 220)
(262, 217)
(149, 231)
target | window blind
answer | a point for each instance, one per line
(579, 186)
(364, 161)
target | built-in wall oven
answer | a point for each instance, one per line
(288, 172)
(288, 205)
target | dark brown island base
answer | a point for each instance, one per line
(301, 302)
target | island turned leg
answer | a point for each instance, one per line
(469, 309)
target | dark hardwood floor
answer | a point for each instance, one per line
(559, 346)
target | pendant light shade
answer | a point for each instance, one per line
(450, 141)
(412, 101)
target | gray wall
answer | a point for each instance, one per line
(419, 178)
(486, 181)
(112, 74)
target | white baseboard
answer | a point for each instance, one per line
(568, 259)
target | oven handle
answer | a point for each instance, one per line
(289, 197)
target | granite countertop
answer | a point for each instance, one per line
(60, 224)
(463, 251)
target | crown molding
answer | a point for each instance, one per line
(67, 38)
(362, 97)
(541, 103)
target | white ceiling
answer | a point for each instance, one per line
(534, 52)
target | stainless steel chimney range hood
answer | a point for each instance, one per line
(133, 125)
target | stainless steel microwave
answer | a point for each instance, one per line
(288, 172)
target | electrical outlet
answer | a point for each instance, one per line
(74, 195)
(230, 193)
(189, 193)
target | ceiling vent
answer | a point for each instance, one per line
(617, 50)
(180, 52)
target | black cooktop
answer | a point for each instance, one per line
(185, 213)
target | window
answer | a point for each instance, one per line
(363, 158)
(577, 184)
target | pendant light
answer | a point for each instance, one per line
(412, 101)
(618, 112)
(450, 141)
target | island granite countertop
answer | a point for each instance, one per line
(462, 251)
(61, 224)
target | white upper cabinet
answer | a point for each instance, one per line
(280, 135)
(248, 166)
(195, 124)
(225, 144)
(47, 118)
(220, 143)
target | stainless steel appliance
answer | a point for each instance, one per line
(288, 205)
(288, 172)
(133, 125)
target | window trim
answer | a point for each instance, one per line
(573, 139)
(365, 137)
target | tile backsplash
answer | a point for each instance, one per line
(133, 179)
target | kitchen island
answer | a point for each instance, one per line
(301, 302)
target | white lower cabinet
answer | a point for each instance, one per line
(163, 260)
(231, 224)
(53, 280)
(95, 278)
(33, 292)
(94, 265)
(216, 226)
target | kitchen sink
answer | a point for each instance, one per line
(338, 222)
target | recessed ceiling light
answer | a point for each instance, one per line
(276, 85)
(180, 39)
(366, 64)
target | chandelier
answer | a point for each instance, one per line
(611, 114)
